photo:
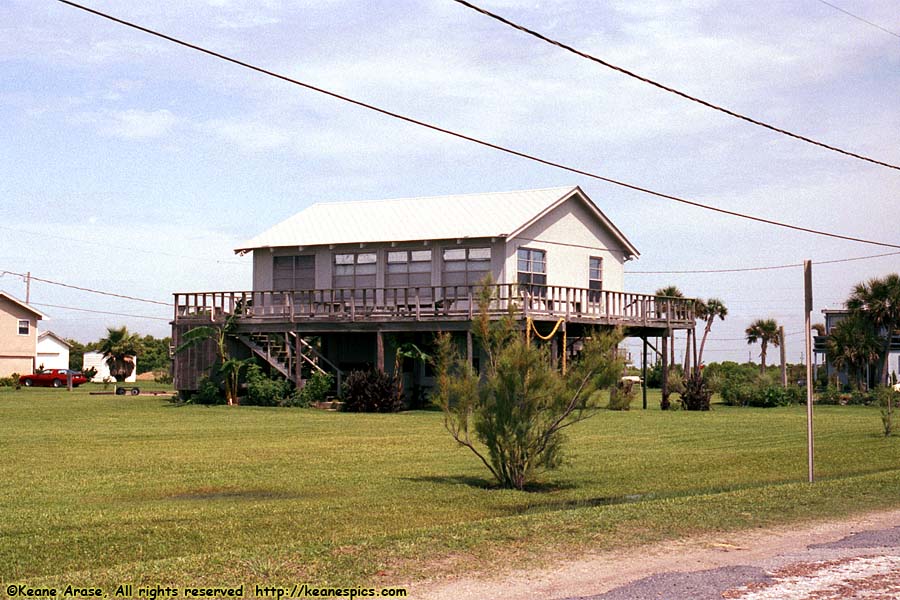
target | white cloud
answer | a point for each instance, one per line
(135, 124)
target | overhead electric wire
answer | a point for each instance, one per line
(117, 247)
(101, 312)
(672, 90)
(767, 268)
(858, 18)
(84, 289)
(468, 137)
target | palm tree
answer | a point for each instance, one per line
(879, 301)
(708, 311)
(670, 291)
(764, 331)
(852, 345)
(119, 348)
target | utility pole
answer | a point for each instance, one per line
(807, 285)
(783, 357)
(28, 287)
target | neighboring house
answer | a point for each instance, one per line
(96, 360)
(18, 336)
(52, 351)
(340, 285)
(833, 316)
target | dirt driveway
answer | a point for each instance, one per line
(851, 558)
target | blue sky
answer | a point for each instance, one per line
(131, 165)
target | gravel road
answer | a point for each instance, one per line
(857, 557)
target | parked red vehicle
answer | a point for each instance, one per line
(53, 378)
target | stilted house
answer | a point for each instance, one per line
(340, 286)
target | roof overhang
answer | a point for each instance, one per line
(21, 304)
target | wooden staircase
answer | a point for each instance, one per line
(279, 351)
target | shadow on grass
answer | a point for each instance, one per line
(232, 494)
(490, 484)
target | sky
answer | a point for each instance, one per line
(135, 166)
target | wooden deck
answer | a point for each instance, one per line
(361, 309)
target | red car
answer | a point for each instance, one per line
(53, 377)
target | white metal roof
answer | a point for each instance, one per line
(484, 215)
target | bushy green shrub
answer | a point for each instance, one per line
(11, 381)
(621, 396)
(696, 393)
(371, 391)
(830, 395)
(314, 390)
(208, 392)
(771, 395)
(161, 376)
(263, 390)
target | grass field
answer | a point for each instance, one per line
(100, 490)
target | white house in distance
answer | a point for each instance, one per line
(52, 351)
(342, 284)
(18, 336)
(96, 360)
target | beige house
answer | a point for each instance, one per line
(341, 284)
(18, 336)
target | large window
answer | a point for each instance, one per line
(354, 271)
(532, 270)
(294, 273)
(24, 326)
(595, 278)
(408, 269)
(465, 266)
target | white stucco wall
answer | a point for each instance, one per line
(570, 235)
(95, 359)
(51, 353)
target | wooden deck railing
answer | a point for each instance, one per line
(436, 303)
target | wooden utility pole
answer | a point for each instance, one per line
(807, 285)
(644, 372)
(28, 287)
(783, 357)
(664, 403)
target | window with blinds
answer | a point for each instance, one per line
(294, 273)
(465, 266)
(354, 271)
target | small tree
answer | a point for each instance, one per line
(518, 408)
(119, 348)
(764, 331)
(708, 312)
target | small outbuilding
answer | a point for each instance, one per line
(52, 351)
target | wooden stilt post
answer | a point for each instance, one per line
(470, 356)
(664, 404)
(644, 372)
(298, 360)
(379, 350)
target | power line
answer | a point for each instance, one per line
(84, 289)
(102, 245)
(858, 18)
(469, 138)
(672, 90)
(101, 312)
(768, 268)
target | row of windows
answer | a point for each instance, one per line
(412, 268)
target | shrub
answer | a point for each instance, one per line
(371, 391)
(770, 396)
(887, 400)
(696, 393)
(830, 395)
(621, 396)
(314, 390)
(11, 381)
(162, 376)
(263, 390)
(208, 393)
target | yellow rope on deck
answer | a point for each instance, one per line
(530, 326)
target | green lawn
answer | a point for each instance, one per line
(106, 489)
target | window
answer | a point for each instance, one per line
(532, 269)
(408, 269)
(595, 278)
(465, 266)
(354, 271)
(24, 326)
(294, 273)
